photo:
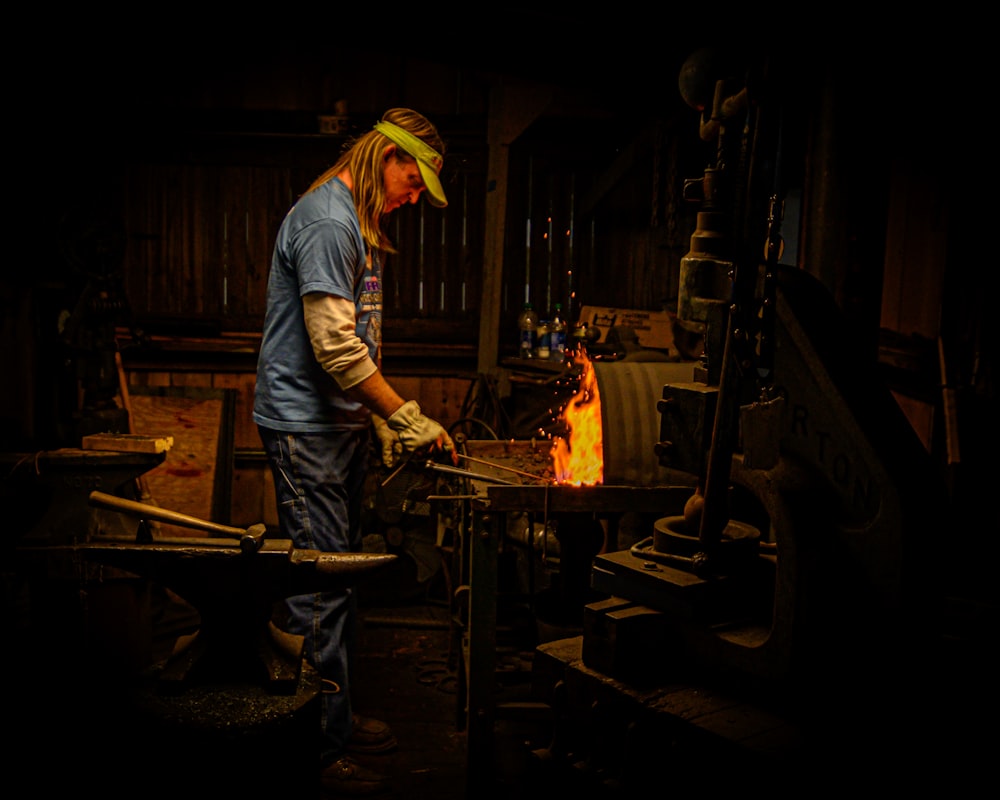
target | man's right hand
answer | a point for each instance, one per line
(417, 432)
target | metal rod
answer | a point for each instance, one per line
(508, 469)
(475, 476)
(395, 472)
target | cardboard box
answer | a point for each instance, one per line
(653, 328)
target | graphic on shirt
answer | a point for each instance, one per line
(370, 303)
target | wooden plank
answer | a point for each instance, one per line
(127, 443)
(195, 478)
(440, 398)
(245, 434)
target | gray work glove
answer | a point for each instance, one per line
(392, 448)
(417, 431)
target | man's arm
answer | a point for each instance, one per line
(330, 322)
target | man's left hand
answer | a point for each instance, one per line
(392, 448)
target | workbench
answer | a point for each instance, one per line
(643, 733)
(705, 731)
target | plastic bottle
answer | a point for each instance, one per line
(543, 340)
(527, 325)
(557, 335)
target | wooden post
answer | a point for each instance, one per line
(512, 108)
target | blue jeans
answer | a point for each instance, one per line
(318, 481)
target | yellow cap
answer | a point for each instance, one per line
(428, 159)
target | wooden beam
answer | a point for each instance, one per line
(512, 108)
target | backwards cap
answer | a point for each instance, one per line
(428, 159)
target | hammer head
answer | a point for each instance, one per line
(251, 541)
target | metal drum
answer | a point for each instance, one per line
(630, 421)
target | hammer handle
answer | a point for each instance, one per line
(148, 512)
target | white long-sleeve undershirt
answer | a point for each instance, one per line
(336, 345)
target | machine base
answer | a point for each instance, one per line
(742, 597)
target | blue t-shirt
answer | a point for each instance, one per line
(319, 248)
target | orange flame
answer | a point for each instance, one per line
(580, 461)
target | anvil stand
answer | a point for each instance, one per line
(234, 700)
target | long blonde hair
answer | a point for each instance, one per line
(362, 156)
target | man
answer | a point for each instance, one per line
(319, 389)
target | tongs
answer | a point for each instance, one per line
(465, 473)
(432, 465)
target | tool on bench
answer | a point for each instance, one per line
(250, 539)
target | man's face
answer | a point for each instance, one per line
(403, 183)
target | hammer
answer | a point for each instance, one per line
(250, 538)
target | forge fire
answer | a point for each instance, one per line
(578, 460)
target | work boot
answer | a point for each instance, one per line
(371, 737)
(345, 776)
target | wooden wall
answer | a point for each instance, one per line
(583, 227)
(200, 219)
